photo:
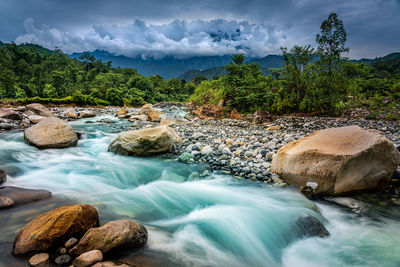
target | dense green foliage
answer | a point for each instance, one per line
(28, 71)
(318, 81)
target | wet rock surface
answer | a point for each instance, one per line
(11, 196)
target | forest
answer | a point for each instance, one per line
(312, 80)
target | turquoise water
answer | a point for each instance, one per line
(216, 220)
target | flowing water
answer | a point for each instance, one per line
(216, 220)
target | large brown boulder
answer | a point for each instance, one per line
(145, 142)
(51, 133)
(340, 160)
(111, 237)
(51, 229)
(38, 109)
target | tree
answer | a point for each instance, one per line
(331, 41)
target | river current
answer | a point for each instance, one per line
(213, 220)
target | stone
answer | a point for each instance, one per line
(262, 116)
(146, 142)
(51, 133)
(86, 114)
(111, 237)
(7, 126)
(6, 202)
(138, 117)
(309, 226)
(71, 114)
(61, 250)
(274, 128)
(206, 150)
(7, 113)
(39, 260)
(150, 112)
(36, 118)
(70, 242)
(20, 196)
(51, 229)
(64, 259)
(40, 110)
(122, 112)
(88, 258)
(185, 157)
(3, 176)
(110, 264)
(340, 160)
(235, 115)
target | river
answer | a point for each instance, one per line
(214, 220)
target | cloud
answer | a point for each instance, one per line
(179, 38)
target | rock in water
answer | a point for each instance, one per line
(51, 133)
(310, 226)
(3, 176)
(145, 142)
(86, 114)
(21, 196)
(88, 258)
(39, 109)
(39, 260)
(113, 236)
(51, 229)
(340, 160)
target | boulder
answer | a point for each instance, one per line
(150, 112)
(235, 115)
(86, 114)
(40, 110)
(3, 176)
(71, 242)
(145, 142)
(6, 202)
(36, 118)
(340, 160)
(261, 116)
(71, 114)
(111, 237)
(168, 119)
(51, 133)
(308, 226)
(39, 260)
(138, 117)
(88, 258)
(20, 196)
(122, 112)
(51, 229)
(210, 112)
(7, 113)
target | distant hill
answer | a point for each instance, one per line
(208, 66)
(168, 67)
(210, 73)
(266, 63)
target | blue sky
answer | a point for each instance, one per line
(155, 28)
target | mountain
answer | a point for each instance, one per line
(210, 73)
(168, 67)
(266, 63)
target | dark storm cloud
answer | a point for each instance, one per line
(156, 27)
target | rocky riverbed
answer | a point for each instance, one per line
(209, 147)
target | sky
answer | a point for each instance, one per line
(186, 28)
